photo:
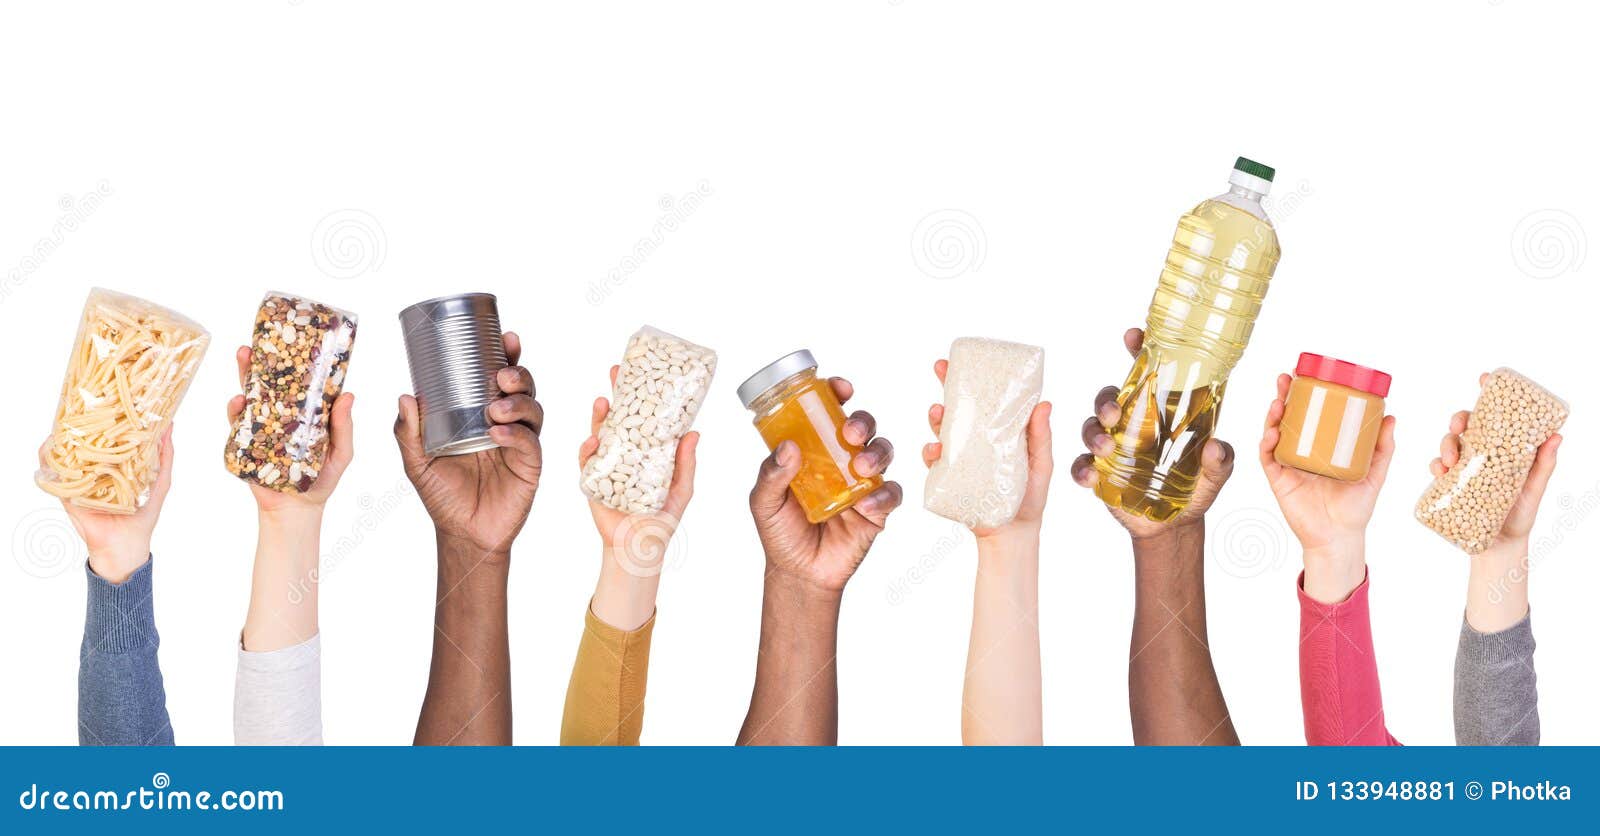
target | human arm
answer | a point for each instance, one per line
(1002, 700)
(1174, 695)
(478, 503)
(277, 698)
(122, 698)
(605, 695)
(1340, 698)
(795, 700)
(1496, 698)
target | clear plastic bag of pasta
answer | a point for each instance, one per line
(1468, 503)
(661, 384)
(130, 366)
(990, 390)
(299, 353)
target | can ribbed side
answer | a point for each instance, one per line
(454, 348)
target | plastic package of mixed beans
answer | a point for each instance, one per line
(298, 359)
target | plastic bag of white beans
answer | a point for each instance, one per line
(1469, 503)
(990, 389)
(661, 383)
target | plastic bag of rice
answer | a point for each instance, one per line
(990, 389)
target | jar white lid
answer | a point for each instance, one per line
(776, 372)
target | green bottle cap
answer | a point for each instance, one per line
(1253, 168)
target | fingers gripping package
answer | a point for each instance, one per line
(660, 386)
(990, 389)
(299, 354)
(1469, 503)
(131, 364)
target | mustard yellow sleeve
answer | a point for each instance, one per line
(605, 697)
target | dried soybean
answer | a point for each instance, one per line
(1468, 504)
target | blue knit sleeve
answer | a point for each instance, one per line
(121, 698)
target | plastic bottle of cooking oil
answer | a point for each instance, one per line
(1205, 305)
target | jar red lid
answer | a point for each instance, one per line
(1361, 378)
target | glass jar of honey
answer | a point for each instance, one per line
(792, 404)
(1331, 418)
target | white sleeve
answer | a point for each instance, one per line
(277, 696)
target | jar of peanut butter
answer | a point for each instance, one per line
(1331, 418)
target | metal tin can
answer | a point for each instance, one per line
(454, 348)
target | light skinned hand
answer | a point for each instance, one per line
(1513, 536)
(823, 555)
(341, 450)
(1323, 512)
(1041, 464)
(637, 543)
(119, 544)
(481, 498)
(1216, 460)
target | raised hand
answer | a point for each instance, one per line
(1216, 460)
(1497, 584)
(823, 554)
(635, 545)
(481, 498)
(1041, 464)
(119, 544)
(341, 449)
(1328, 516)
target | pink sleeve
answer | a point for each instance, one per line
(1339, 673)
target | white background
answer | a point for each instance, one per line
(881, 177)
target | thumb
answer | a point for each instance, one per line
(1383, 453)
(1526, 508)
(1216, 465)
(163, 483)
(408, 434)
(772, 482)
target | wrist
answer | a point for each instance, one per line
(459, 552)
(290, 515)
(784, 585)
(1009, 550)
(1333, 570)
(623, 599)
(115, 562)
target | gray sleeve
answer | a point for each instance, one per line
(1496, 698)
(121, 698)
(277, 696)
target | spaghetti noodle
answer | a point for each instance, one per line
(130, 366)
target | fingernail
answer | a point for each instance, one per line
(865, 463)
(868, 503)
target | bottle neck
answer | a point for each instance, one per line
(1246, 194)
